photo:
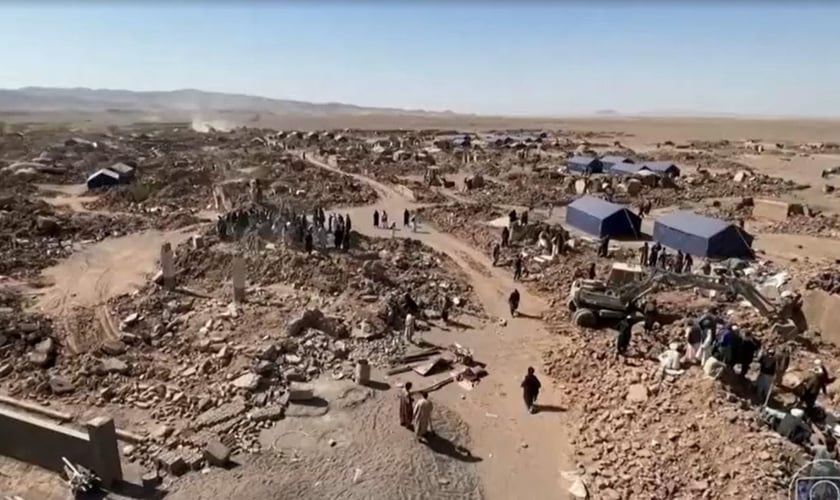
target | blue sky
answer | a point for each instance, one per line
(489, 58)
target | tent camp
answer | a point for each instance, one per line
(602, 218)
(702, 236)
(588, 164)
(608, 162)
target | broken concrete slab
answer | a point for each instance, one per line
(216, 453)
(268, 413)
(299, 392)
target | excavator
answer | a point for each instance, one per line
(595, 302)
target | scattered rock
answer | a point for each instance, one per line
(249, 381)
(113, 347)
(60, 386)
(113, 365)
(637, 393)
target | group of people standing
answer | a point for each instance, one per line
(656, 256)
(380, 219)
(416, 415)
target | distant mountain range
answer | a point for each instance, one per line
(50, 99)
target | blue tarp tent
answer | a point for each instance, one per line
(103, 178)
(626, 169)
(702, 236)
(662, 168)
(608, 162)
(602, 218)
(584, 164)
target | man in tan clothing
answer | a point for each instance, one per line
(423, 417)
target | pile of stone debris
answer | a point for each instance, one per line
(466, 222)
(682, 438)
(36, 234)
(822, 225)
(827, 279)
(211, 373)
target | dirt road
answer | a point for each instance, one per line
(523, 454)
(97, 273)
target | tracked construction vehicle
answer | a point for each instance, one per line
(596, 303)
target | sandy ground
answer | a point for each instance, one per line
(349, 446)
(98, 272)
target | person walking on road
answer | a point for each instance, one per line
(530, 390)
(513, 302)
(517, 268)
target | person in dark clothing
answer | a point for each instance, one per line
(496, 253)
(524, 218)
(643, 255)
(410, 305)
(505, 236)
(339, 236)
(625, 335)
(345, 242)
(688, 265)
(651, 314)
(513, 302)
(809, 389)
(308, 242)
(750, 345)
(662, 263)
(517, 268)
(376, 218)
(347, 223)
(444, 310)
(530, 390)
(604, 248)
(707, 267)
(512, 217)
(590, 273)
(654, 255)
(406, 217)
(678, 262)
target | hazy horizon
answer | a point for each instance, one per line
(756, 60)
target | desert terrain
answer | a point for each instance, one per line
(185, 359)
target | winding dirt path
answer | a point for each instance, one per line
(523, 455)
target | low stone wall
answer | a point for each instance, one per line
(43, 443)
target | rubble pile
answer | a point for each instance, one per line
(209, 369)
(822, 225)
(684, 437)
(36, 235)
(465, 222)
(23, 336)
(826, 279)
(708, 185)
